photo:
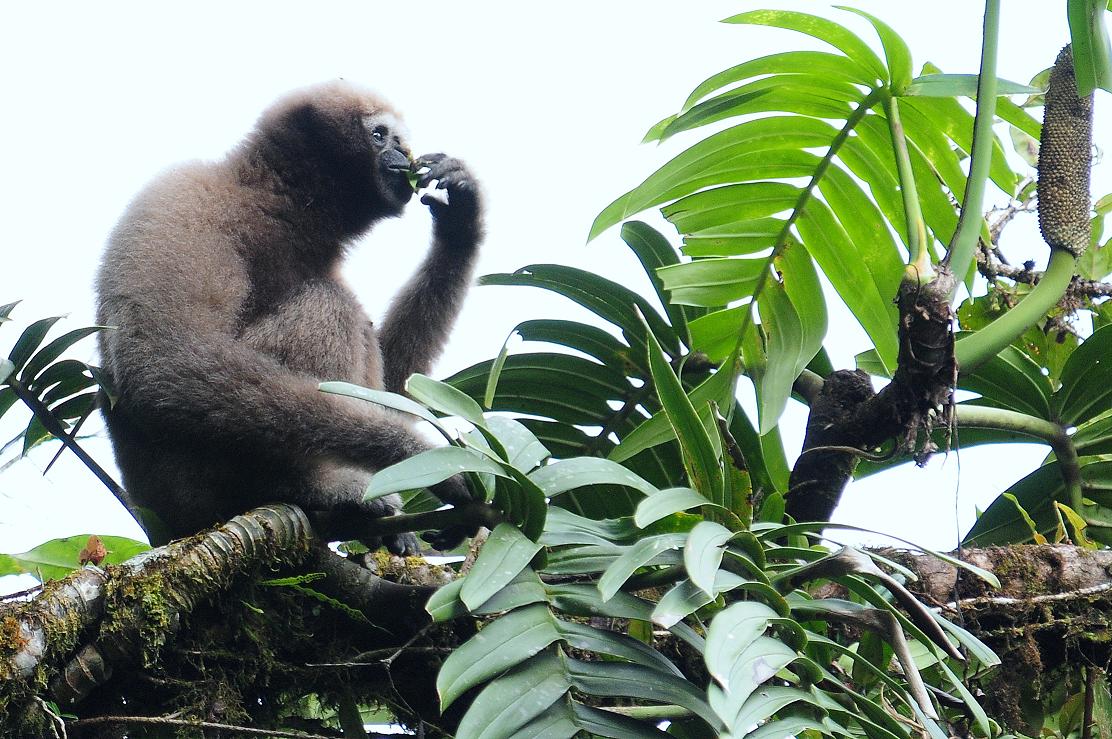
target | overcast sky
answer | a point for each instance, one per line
(547, 105)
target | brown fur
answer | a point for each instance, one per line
(222, 282)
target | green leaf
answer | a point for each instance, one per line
(615, 679)
(53, 350)
(713, 161)
(751, 667)
(1086, 379)
(30, 340)
(6, 310)
(443, 397)
(702, 553)
(712, 282)
(564, 527)
(505, 553)
(428, 468)
(730, 634)
(1092, 55)
(765, 702)
(56, 558)
(601, 641)
(383, 398)
(590, 340)
(6, 370)
(793, 317)
(634, 558)
(500, 645)
(718, 388)
(569, 474)
(699, 457)
(654, 251)
(581, 599)
(823, 63)
(524, 451)
(686, 597)
(512, 701)
(609, 300)
(715, 334)
(664, 503)
(961, 85)
(832, 33)
(895, 50)
(496, 371)
(1011, 380)
(1002, 523)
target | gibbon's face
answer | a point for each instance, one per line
(386, 139)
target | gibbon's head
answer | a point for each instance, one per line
(339, 148)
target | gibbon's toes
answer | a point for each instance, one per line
(403, 545)
(450, 537)
(453, 490)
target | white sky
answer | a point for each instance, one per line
(547, 105)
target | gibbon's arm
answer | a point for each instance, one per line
(420, 317)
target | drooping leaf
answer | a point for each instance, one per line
(702, 553)
(505, 553)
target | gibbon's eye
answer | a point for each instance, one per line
(378, 135)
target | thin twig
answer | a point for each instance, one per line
(159, 721)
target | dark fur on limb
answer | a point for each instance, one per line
(847, 413)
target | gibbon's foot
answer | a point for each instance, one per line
(450, 537)
(404, 544)
(453, 176)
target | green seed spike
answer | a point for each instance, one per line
(1065, 160)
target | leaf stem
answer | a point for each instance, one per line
(971, 351)
(960, 252)
(919, 261)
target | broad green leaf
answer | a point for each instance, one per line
(832, 33)
(1092, 437)
(712, 282)
(699, 457)
(444, 604)
(793, 317)
(59, 372)
(654, 251)
(512, 701)
(730, 204)
(582, 599)
(524, 451)
(1011, 380)
(428, 468)
(806, 94)
(895, 51)
(940, 85)
(64, 389)
(686, 597)
(505, 553)
(792, 726)
(712, 160)
(735, 238)
(523, 590)
(563, 387)
(702, 553)
(601, 641)
(666, 502)
(838, 257)
(53, 350)
(1002, 523)
(30, 340)
(636, 557)
(557, 722)
(582, 560)
(500, 645)
(564, 527)
(615, 679)
(811, 62)
(1086, 388)
(751, 667)
(383, 398)
(443, 397)
(597, 722)
(718, 388)
(606, 298)
(730, 633)
(54, 559)
(766, 701)
(590, 340)
(568, 474)
(715, 334)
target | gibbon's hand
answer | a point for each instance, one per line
(462, 208)
(455, 491)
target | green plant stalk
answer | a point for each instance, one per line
(974, 350)
(971, 416)
(919, 261)
(959, 254)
